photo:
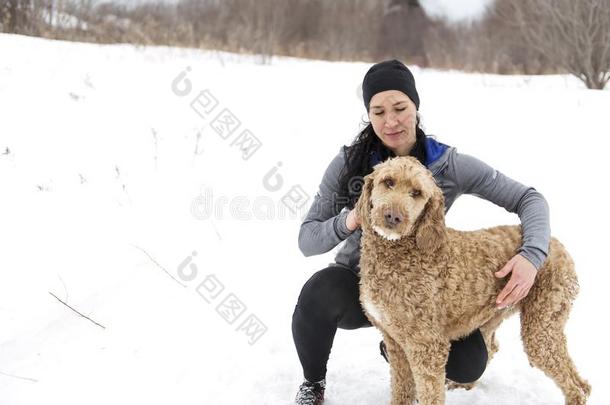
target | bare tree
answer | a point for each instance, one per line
(402, 32)
(28, 17)
(573, 35)
(13, 15)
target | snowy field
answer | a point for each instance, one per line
(123, 195)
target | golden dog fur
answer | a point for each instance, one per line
(423, 284)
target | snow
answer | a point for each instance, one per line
(110, 180)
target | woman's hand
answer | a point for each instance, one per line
(352, 221)
(522, 279)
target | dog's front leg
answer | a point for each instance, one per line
(403, 385)
(427, 360)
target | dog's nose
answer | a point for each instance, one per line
(392, 218)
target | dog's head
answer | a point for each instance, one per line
(401, 199)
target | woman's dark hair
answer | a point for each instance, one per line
(358, 156)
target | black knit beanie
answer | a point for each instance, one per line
(389, 75)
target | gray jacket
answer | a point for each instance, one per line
(324, 226)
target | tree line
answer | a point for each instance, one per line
(513, 37)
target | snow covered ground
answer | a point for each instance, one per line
(123, 195)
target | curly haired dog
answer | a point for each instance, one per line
(423, 284)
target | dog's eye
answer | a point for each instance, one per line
(415, 193)
(389, 183)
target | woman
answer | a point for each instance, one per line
(330, 298)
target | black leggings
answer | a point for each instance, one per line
(330, 300)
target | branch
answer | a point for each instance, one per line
(158, 265)
(18, 377)
(84, 316)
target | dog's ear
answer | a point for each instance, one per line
(431, 232)
(363, 205)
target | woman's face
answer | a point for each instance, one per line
(394, 117)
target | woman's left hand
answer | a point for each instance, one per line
(522, 279)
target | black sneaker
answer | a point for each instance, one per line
(384, 351)
(311, 393)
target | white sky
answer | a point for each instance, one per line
(456, 10)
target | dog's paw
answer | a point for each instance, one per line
(452, 385)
